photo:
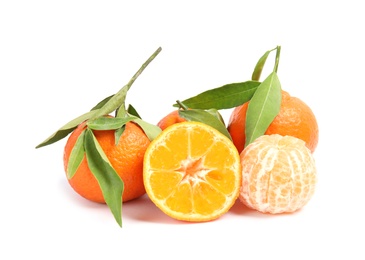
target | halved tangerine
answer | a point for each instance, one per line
(192, 172)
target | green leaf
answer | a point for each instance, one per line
(68, 128)
(152, 131)
(263, 108)
(111, 184)
(102, 103)
(132, 111)
(118, 100)
(261, 63)
(205, 117)
(215, 113)
(109, 123)
(227, 96)
(76, 156)
(104, 107)
(259, 66)
(118, 133)
(115, 102)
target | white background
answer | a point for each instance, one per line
(59, 58)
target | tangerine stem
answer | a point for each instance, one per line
(181, 105)
(144, 65)
(277, 58)
(119, 98)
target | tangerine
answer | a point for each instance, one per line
(295, 118)
(170, 119)
(278, 174)
(192, 172)
(126, 158)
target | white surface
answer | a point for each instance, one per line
(58, 58)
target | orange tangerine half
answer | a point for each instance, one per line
(192, 172)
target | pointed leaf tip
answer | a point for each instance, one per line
(111, 184)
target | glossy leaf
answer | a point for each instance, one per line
(205, 117)
(76, 156)
(109, 123)
(215, 113)
(260, 66)
(132, 111)
(67, 128)
(261, 63)
(263, 108)
(118, 133)
(104, 107)
(111, 184)
(115, 102)
(152, 131)
(102, 103)
(227, 96)
(118, 100)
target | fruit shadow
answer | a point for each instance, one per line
(143, 209)
(73, 197)
(243, 211)
(140, 209)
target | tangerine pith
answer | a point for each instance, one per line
(279, 174)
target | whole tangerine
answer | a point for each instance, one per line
(295, 118)
(170, 119)
(126, 158)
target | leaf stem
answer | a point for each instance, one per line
(181, 105)
(277, 58)
(144, 65)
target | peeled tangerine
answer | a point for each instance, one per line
(278, 174)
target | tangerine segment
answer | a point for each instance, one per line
(165, 182)
(192, 172)
(279, 174)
